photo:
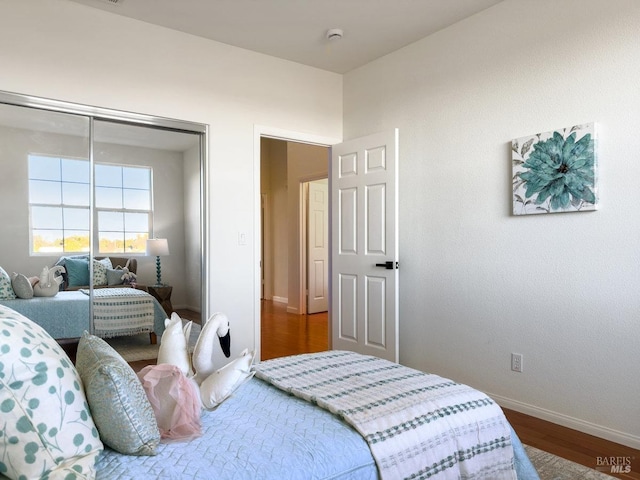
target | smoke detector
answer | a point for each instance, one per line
(334, 34)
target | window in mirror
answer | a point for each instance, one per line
(58, 204)
(123, 203)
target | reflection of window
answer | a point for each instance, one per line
(59, 193)
(123, 203)
(59, 204)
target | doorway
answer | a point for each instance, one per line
(287, 168)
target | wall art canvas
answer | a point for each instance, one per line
(555, 171)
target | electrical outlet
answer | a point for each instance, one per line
(516, 362)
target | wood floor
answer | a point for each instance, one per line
(289, 334)
(284, 333)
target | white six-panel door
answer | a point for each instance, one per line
(318, 247)
(364, 234)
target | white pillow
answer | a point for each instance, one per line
(21, 286)
(100, 271)
(219, 386)
(47, 428)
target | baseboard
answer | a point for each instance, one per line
(280, 299)
(600, 431)
(293, 310)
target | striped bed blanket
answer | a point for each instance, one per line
(121, 311)
(417, 425)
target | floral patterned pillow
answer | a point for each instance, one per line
(100, 271)
(46, 429)
(6, 290)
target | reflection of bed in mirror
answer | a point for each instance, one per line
(117, 312)
(119, 309)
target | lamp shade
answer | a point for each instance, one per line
(157, 247)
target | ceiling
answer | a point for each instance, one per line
(296, 29)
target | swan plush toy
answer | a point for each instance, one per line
(49, 282)
(214, 385)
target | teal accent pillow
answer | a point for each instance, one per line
(46, 426)
(77, 272)
(118, 402)
(6, 290)
(114, 276)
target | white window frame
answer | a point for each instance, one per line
(97, 230)
(60, 205)
(149, 212)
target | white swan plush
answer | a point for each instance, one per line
(214, 385)
(173, 345)
(217, 325)
(49, 283)
(218, 386)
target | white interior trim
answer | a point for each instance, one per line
(600, 431)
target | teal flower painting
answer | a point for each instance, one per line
(555, 171)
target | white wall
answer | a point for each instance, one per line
(168, 216)
(274, 185)
(70, 52)
(477, 283)
(16, 145)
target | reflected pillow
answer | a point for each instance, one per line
(6, 290)
(100, 268)
(22, 286)
(114, 276)
(62, 261)
(77, 272)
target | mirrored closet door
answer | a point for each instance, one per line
(96, 191)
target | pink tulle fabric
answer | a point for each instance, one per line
(175, 402)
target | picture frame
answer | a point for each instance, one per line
(555, 171)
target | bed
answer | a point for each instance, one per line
(265, 430)
(66, 315)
